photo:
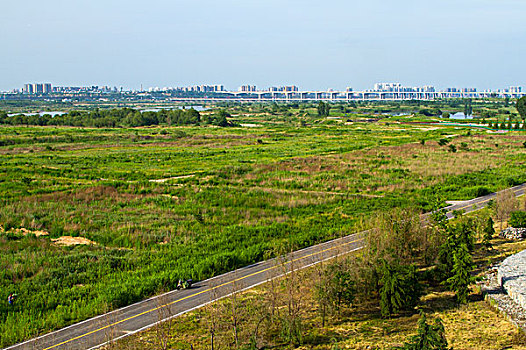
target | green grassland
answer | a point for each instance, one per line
(164, 203)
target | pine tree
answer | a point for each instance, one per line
(464, 233)
(446, 252)
(489, 231)
(399, 288)
(428, 337)
(461, 279)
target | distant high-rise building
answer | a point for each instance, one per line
(291, 88)
(397, 87)
(428, 88)
(28, 88)
(37, 88)
(247, 88)
(388, 87)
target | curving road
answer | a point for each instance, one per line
(100, 330)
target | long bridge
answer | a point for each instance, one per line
(367, 95)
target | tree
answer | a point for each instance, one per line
(321, 292)
(323, 109)
(488, 231)
(521, 108)
(327, 109)
(341, 286)
(397, 236)
(287, 305)
(456, 235)
(464, 233)
(505, 203)
(194, 115)
(334, 288)
(468, 109)
(461, 275)
(399, 287)
(428, 337)
(221, 119)
(446, 252)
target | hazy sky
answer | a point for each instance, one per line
(314, 44)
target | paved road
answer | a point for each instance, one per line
(97, 331)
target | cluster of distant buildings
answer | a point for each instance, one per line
(199, 88)
(397, 87)
(37, 88)
(221, 88)
(252, 88)
(47, 88)
(380, 91)
(510, 90)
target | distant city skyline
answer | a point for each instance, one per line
(36, 88)
(218, 87)
(380, 91)
(312, 44)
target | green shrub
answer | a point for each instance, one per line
(428, 337)
(479, 191)
(517, 219)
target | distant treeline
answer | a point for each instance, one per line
(107, 118)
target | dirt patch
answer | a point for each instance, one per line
(69, 241)
(24, 231)
(171, 178)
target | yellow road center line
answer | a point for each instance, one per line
(487, 200)
(196, 294)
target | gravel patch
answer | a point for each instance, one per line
(497, 296)
(513, 233)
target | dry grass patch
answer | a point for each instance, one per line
(86, 195)
(69, 241)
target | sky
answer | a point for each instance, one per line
(313, 44)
